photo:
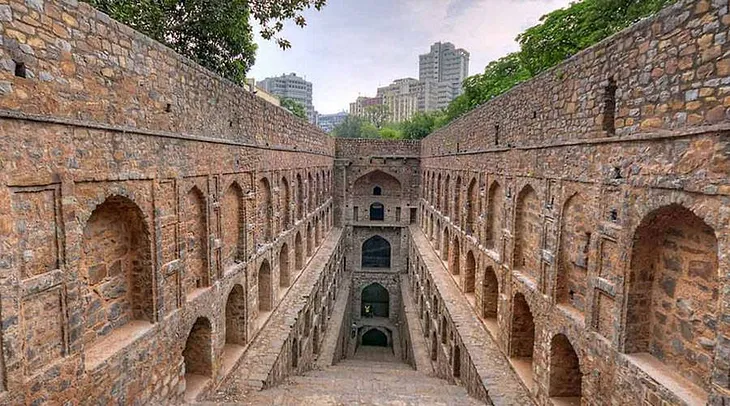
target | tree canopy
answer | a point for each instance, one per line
(560, 34)
(215, 33)
(294, 107)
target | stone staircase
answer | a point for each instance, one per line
(358, 382)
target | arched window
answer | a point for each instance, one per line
(375, 337)
(672, 305)
(197, 353)
(375, 301)
(377, 191)
(377, 212)
(376, 253)
(116, 268)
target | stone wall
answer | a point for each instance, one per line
(152, 213)
(668, 72)
(598, 244)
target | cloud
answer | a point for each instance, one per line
(352, 46)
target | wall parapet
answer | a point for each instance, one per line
(660, 74)
(80, 64)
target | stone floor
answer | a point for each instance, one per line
(372, 377)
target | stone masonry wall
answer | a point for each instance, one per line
(136, 252)
(664, 73)
(607, 237)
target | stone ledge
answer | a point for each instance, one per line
(500, 381)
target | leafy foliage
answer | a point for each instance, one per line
(215, 33)
(271, 15)
(422, 124)
(560, 34)
(498, 77)
(565, 32)
(294, 107)
(377, 115)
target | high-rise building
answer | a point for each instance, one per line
(445, 66)
(292, 87)
(358, 107)
(401, 99)
(328, 122)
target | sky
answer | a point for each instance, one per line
(351, 47)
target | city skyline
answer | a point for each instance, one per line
(389, 37)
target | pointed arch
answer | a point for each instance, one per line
(233, 226)
(375, 253)
(298, 252)
(266, 300)
(115, 251)
(565, 375)
(674, 272)
(196, 275)
(300, 197)
(236, 316)
(387, 184)
(575, 236)
(527, 232)
(284, 275)
(469, 273)
(490, 294)
(522, 334)
(457, 202)
(455, 263)
(446, 245)
(310, 240)
(495, 215)
(447, 195)
(265, 211)
(198, 354)
(375, 301)
(472, 206)
(285, 204)
(310, 193)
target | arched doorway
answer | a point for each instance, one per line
(469, 273)
(375, 338)
(196, 259)
(455, 263)
(236, 317)
(673, 279)
(284, 277)
(298, 252)
(375, 253)
(197, 356)
(490, 294)
(265, 209)
(116, 234)
(375, 301)
(265, 289)
(457, 361)
(565, 375)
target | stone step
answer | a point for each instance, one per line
(359, 389)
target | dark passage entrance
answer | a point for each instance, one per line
(377, 212)
(375, 301)
(376, 253)
(375, 338)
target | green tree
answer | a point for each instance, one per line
(422, 124)
(390, 132)
(560, 34)
(567, 31)
(350, 127)
(294, 107)
(498, 77)
(377, 115)
(215, 33)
